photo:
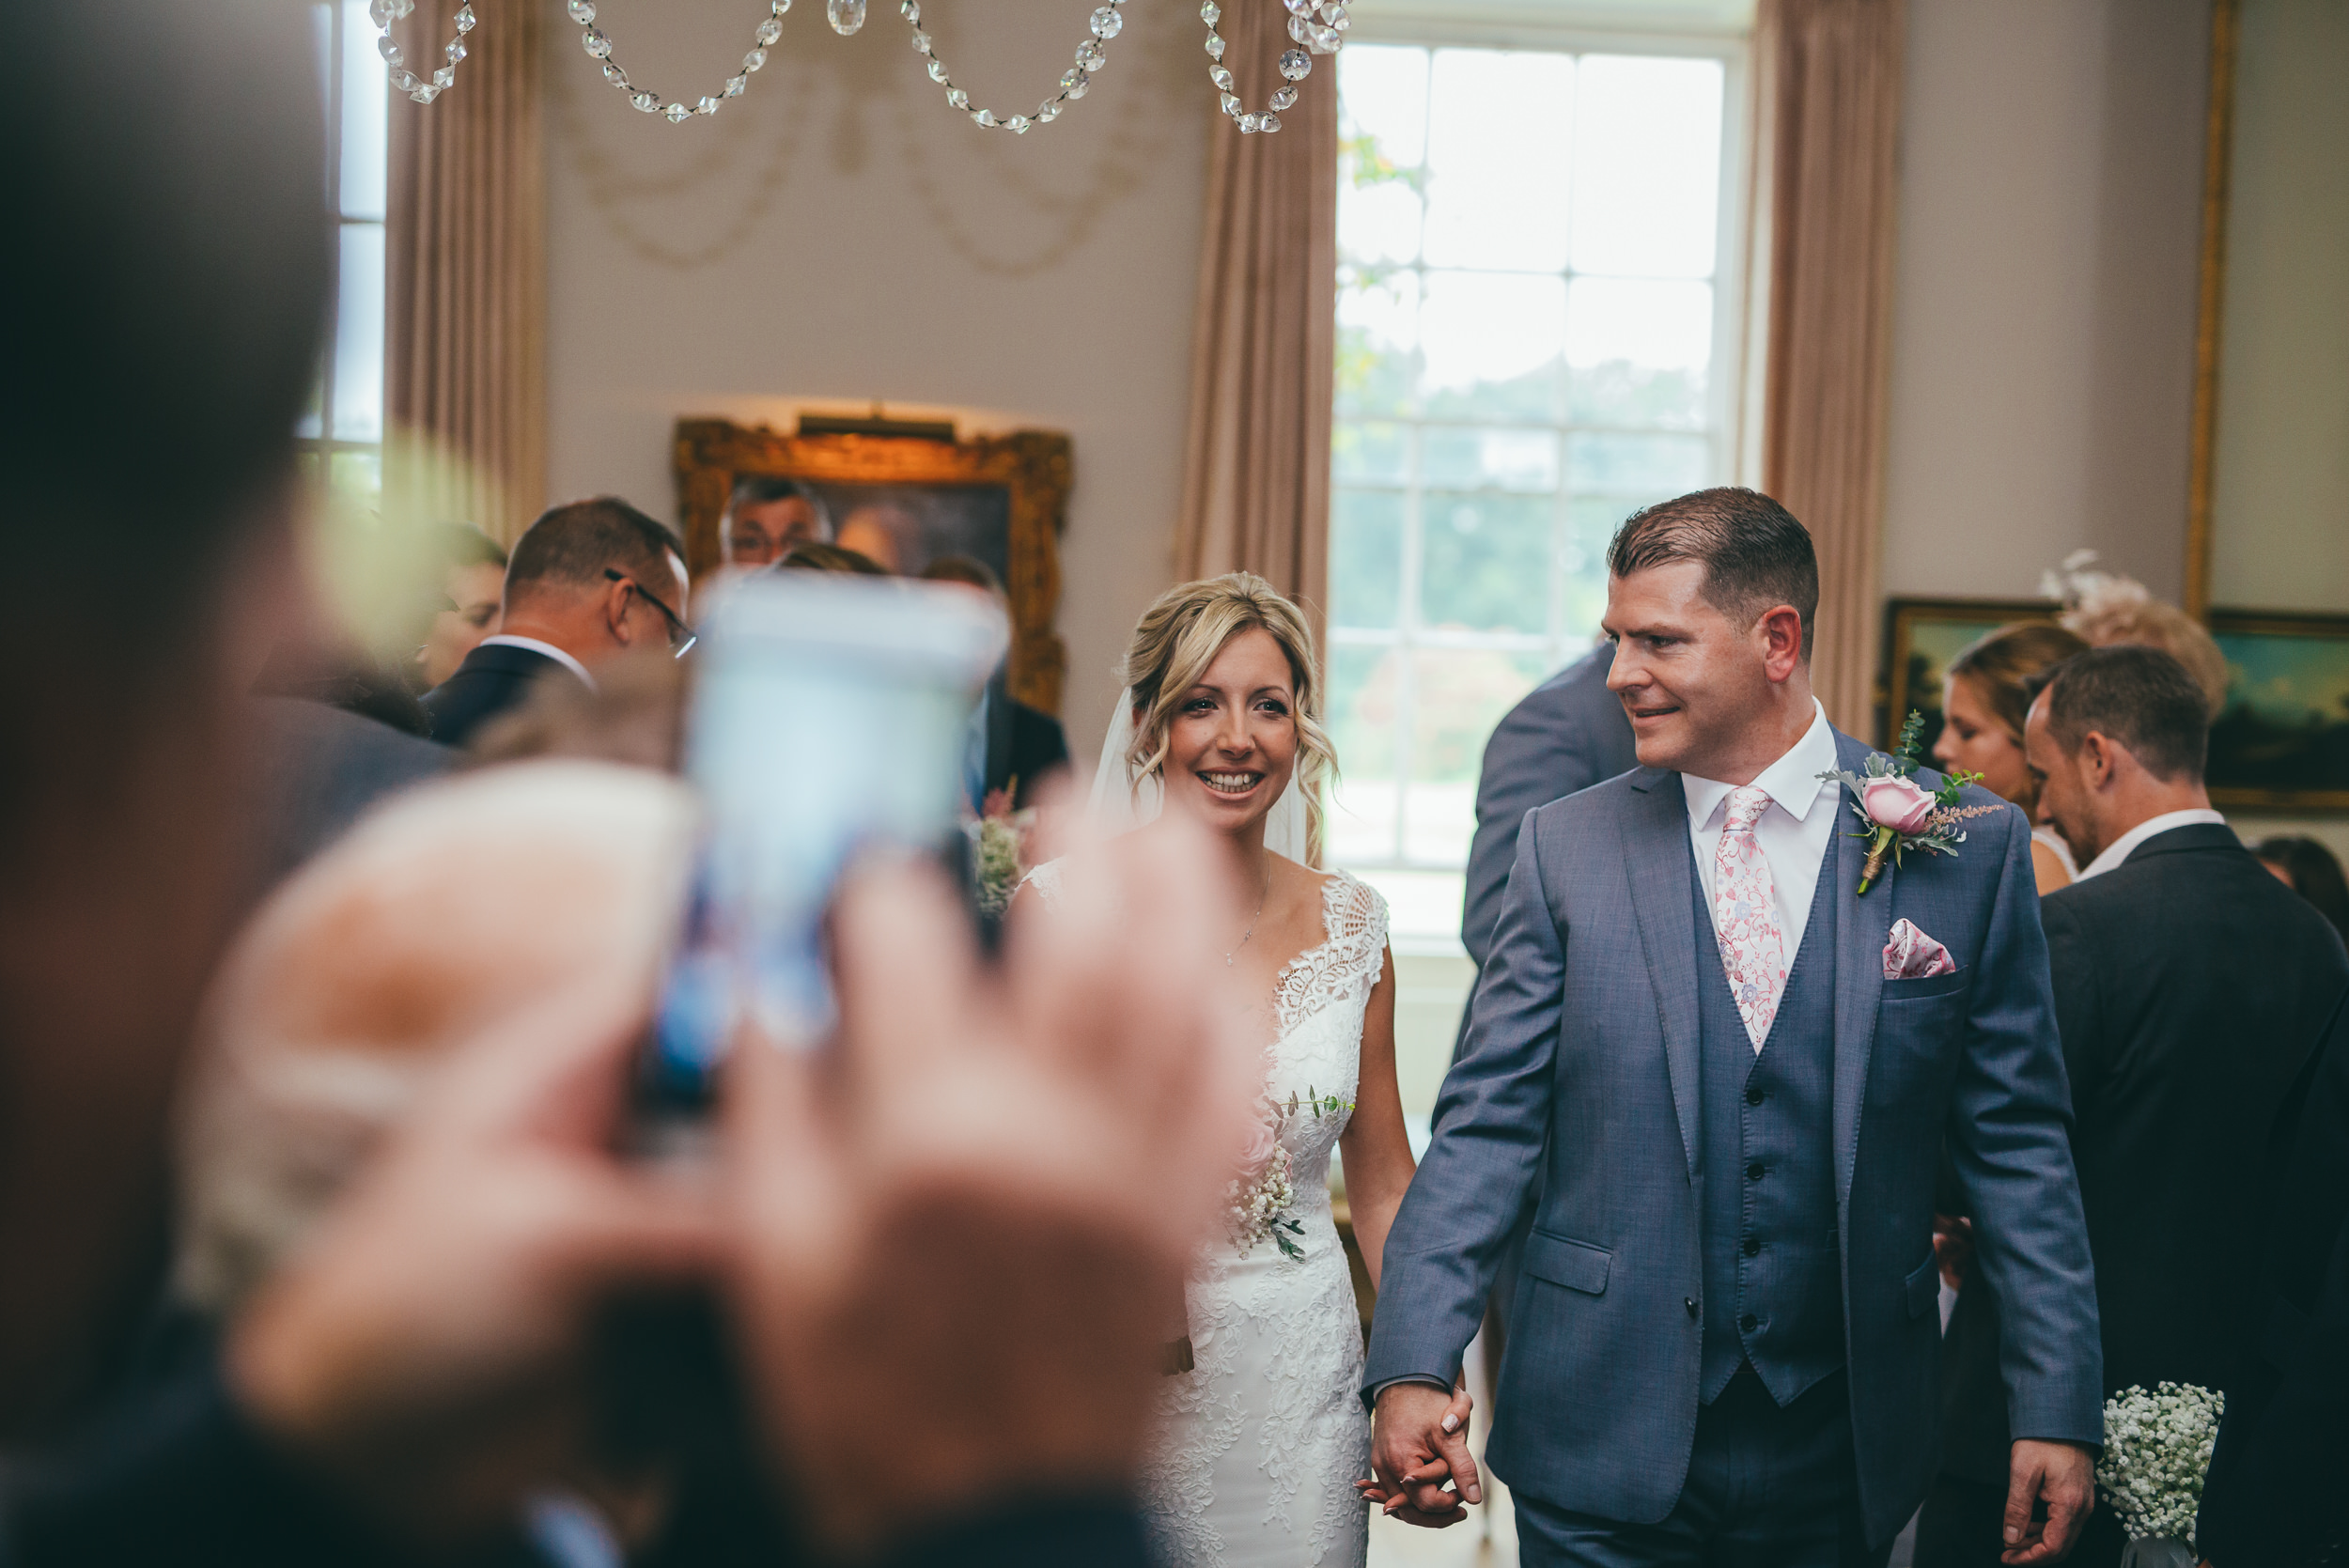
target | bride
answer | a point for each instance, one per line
(1259, 1445)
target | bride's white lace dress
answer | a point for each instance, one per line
(1259, 1445)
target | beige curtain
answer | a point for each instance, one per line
(1830, 119)
(1256, 460)
(465, 275)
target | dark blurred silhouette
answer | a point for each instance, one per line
(462, 605)
(415, 1371)
(2308, 869)
(588, 581)
(1020, 748)
(818, 556)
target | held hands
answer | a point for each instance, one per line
(1419, 1441)
(2063, 1476)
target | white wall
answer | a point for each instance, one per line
(2043, 357)
(840, 235)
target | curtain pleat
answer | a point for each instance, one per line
(1256, 458)
(1833, 80)
(465, 275)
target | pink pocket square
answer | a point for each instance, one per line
(1913, 955)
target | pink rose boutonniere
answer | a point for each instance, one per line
(1897, 813)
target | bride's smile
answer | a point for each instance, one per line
(1234, 734)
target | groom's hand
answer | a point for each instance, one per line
(1415, 1449)
(2063, 1477)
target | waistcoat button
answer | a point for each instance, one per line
(1753, 1172)
(1745, 1325)
(1690, 1302)
(1754, 1245)
(1754, 1096)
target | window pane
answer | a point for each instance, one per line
(357, 477)
(1639, 351)
(1378, 364)
(366, 114)
(1459, 696)
(1485, 562)
(1653, 467)
(1499, 125)
(1493, 346)
(1365, 558)
(1371, 454)
(1361, 715)
(359, 335)
(1489, 460)
(1647, 166)
(1382, 95)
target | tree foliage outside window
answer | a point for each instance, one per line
(1533, 326)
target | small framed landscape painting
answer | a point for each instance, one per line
(2283, 741)
(1920, 637)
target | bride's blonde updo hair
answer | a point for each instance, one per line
(1180, 635)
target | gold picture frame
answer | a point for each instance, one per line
(2283, 741)
(1920, 637)
(1032, 470)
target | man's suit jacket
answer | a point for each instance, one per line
(1566, 735)
(2191, 987)
(326, 768)
(494, 678)
(2274, 1496)
(1582, 1068)
(1025, 745)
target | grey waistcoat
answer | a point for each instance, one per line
(1773, 1271)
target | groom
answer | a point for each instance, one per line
(1688, 1058)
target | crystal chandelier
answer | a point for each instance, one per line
(1316, 28)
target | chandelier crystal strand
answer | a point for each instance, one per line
(677, 112)
(423, 90)
(1107, 22)
(1319, 28)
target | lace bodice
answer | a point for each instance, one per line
(1259, 1443)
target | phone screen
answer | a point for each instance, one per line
(831, 716)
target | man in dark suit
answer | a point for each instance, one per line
(1566, 735)
(2191, 987)
(2273, 1499)
(1014, 747)
(589, 582)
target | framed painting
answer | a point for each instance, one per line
(2283, 741)
(1920, 637)
(910, 499)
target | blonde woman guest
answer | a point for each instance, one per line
(1982, 706)
(2105, 610)
(1260, 1443)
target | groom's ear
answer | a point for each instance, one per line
(1779, 633)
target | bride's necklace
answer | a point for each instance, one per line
(1261, 900)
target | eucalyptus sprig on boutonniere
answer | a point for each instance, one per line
(1899, 814)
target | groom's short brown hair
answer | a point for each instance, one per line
(1754, 553)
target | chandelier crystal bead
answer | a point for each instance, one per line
(1284, 98)
(1295, 65)
(1107, 23)
(845, 16)
(1317, 25)
(584, 11)
(1210, 14)
(466, 21)
(1091, 56)
(596, 44)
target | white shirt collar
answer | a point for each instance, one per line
(2120, 848)
(558, 654)
(1793, 780)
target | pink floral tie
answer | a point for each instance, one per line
(1745, 915)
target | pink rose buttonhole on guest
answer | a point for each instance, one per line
(1898, 803)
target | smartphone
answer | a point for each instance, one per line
(831, 716)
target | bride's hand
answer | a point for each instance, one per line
(1416, 1495)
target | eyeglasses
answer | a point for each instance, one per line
(681, 637)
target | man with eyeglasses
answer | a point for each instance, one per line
(590, 580)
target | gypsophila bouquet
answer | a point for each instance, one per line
(1896, 812)
(2156, 1451)
(1262, 1197)
(999, 851)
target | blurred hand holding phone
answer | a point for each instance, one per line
(829, 721)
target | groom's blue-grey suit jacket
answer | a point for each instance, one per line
(1581, 1069)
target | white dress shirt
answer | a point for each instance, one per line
(1794, 831)
(558, 654)
(2117, 850)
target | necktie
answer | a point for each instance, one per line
(1745, 916)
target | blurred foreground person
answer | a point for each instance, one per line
(987, 1145)
(2191, 989)
(588, 582)
(471, 587)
